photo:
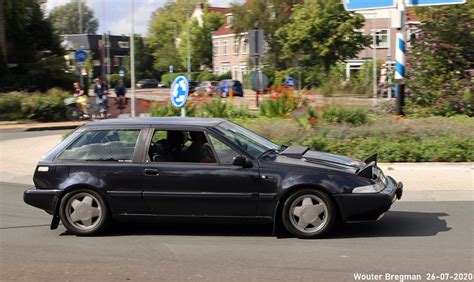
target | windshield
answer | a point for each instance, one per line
(248, 141)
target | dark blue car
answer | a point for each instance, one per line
(227, 84)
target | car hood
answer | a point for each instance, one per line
(302, 156)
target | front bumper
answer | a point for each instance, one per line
(43, 199)
(369, 207)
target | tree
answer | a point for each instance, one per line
(167, 37)
(319, 34)
(201, 41)
(165, 26)
(65, 18)
(143, 60)
(269, 15)
(35, 51)
(440, 63)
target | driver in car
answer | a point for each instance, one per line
(199, 151)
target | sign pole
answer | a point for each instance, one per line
(400, 60)
(132, 59)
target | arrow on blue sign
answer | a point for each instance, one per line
(355, 5)
(179, 91)
(81, 56)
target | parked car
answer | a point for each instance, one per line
(161, 85)
(192, 86)
(202, 168)
(148, 83)
(227, 84)
(207, 87)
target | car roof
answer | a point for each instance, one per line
(192, 121)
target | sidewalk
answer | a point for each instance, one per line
(422, 181)
(7, 126)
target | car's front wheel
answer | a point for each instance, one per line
(308, 214)
(83, 212)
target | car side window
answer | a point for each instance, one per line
(224, 153)
(180, 146)
(103, 145)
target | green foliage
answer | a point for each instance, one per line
(269, 15)
(353, 116)
(201, 41)
(321, 33)
(419, 140)
(399, 149)
(281, 104)
(205, 76)
(65, 19)
(167, 37)
(37, 52)
(168, 110)
(143, 61)
(438, 63)
(38, 106)
(10, 106)
(227, 75)
(220, 108)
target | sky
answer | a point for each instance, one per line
(114, 15)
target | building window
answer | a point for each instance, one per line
(225, 68)
(236, 47)
(229, 19)
(382, 38)
(123, 44)
(224, 48)
(245, 46)
(215, 48)
(116, 61)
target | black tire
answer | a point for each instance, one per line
(73, 113)
(327, 217)
(78, 227)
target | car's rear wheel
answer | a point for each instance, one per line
(308, 214)
(83, 212)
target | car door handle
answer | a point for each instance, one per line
(151, 171)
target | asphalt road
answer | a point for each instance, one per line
(413, 238)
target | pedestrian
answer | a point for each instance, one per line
(120, 91)
(101, 92)
(82, 99)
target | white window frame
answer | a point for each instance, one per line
(236, 47)
(215, 48)
(225, 45)
(377, 35)
(245, 46)
(124, 44)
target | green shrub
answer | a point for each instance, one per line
(10, 106)
(168, 110)
(354, 116)
(205, 76)
(441, 149)
(46, 107)
(217, 108)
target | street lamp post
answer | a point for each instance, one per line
(132, 58)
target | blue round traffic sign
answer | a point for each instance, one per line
(179, 91)
(81, 56)
(121, 72)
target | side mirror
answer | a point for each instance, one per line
(241, 161)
